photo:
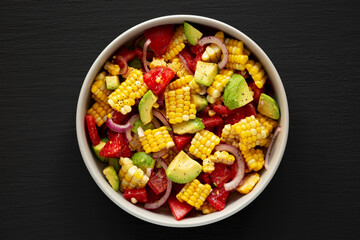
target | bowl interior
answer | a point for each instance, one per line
(162, 216)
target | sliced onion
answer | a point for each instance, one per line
(160, 153)
(222, 46)
(203, 90)
(149, 172)
(162, 118)
(140, 132)
(144, 61)
(163, 199)
(185, 64)
(241, 165)
(116, 127)
(156, 123)
(125, 68)
(267, 158)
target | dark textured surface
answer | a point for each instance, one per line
(45, 51)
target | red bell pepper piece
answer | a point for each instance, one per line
(139, 194)
(160, 37)
(214, 121)
(220, 175)
(158, 181)
(152, 77)
(92, 129)
(181, 141)
(178, 209)
(116, 147)
(218, 197)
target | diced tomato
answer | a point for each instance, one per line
(204, 178)
(205, 112)
(92, 129)
(240, 113)
(182, 140)
(103, 130)
(214, 121)
(139, 194)
(257, 92)
(221, 110)
(250, 109)
(160, 37)
(197, 49)
(158, 181)
(126, 53)
(119, 118)
(139, 53)
(218, 197)
(116, 147)
(151, 195)
(220, 175)
(190, 58)
(176, 187)
(152, 78)
(178, 209)
(218, 130)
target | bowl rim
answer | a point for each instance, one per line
(153, 217)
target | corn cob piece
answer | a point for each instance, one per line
(194, 193)
(254, 159)
(157, 62)
(237, 58)
(129, 71)
(156, 139)
(178, 105)
(100, 110)
(248, 183)
(218, 85)
(131, 176)
(178, 68)
(124, 96)
(203, 143)
(113, 69)
(208, 164)
(228, 136)
(257, 73)
(213, 52)
(223, 157)
(177, 44)
(99, 89)
(207, 208)
(181, 82)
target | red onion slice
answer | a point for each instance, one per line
(140, 132)
(267, 158)
(131, 121)
(186, 66)
(125, 68)
(162, 118)
(144, 61)
(116, 127)
(149, 172)
(241, 165)
(163, 199)
(156, 123)
(203, 90)
(160, 153)
(222, 46)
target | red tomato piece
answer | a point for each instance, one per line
(158, 181)
(139, 194)
(221, 110)
(240, 113)
(197, 49)
(181, 141)
(214, 121)
(189, 58)
(178, 209)
(139, 53)
(151, 195)
(218, 197)
(116, 147)
(160, 37)
(218, 130)
(257, 92)
(92, 129)
(205, 112)
(119, 118)
(158, 78)
(127, 54)
(220, 175)
(204, 178)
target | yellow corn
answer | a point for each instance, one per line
(194, 193)
(228, 136)
(203, 143)
(223, 157)
(257, 73)
(157, 62)
(207, 208)
(156, 139)
(248, 183)
(124, 96)
(208, 164)
(235, 66)
(254, 159)
(100, 110)
(177, 44)
(178, 105)
(113, 69)
(99, 89)
(181, 82)
(219, 83)
(131, 176)
(213, 52)
(129, 71)
(237, 59)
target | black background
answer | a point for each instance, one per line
(46, 51)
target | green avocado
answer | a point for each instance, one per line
(192, 34)
(205, 73)
(98, 148)
(199, 101)
(135, 63)
(138, 123)
(191, 126)
(143, 160)
(268, 106)
(114, 162)
(145, 106)
(112, 82)
(112, 177)
(183, 169)
(236, 93)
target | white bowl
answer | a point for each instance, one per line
(163, 216)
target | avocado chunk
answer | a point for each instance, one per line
(236, 93)
(114, 162)
(112, 177)
(192, 34)
(112, 82)
(199, 101)
(98, 148)
(135, 63)
(138, 123)
(143, 160)
(183, 169)
(205, 73)
(145, 106)
(191, 126)
(268, 106)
